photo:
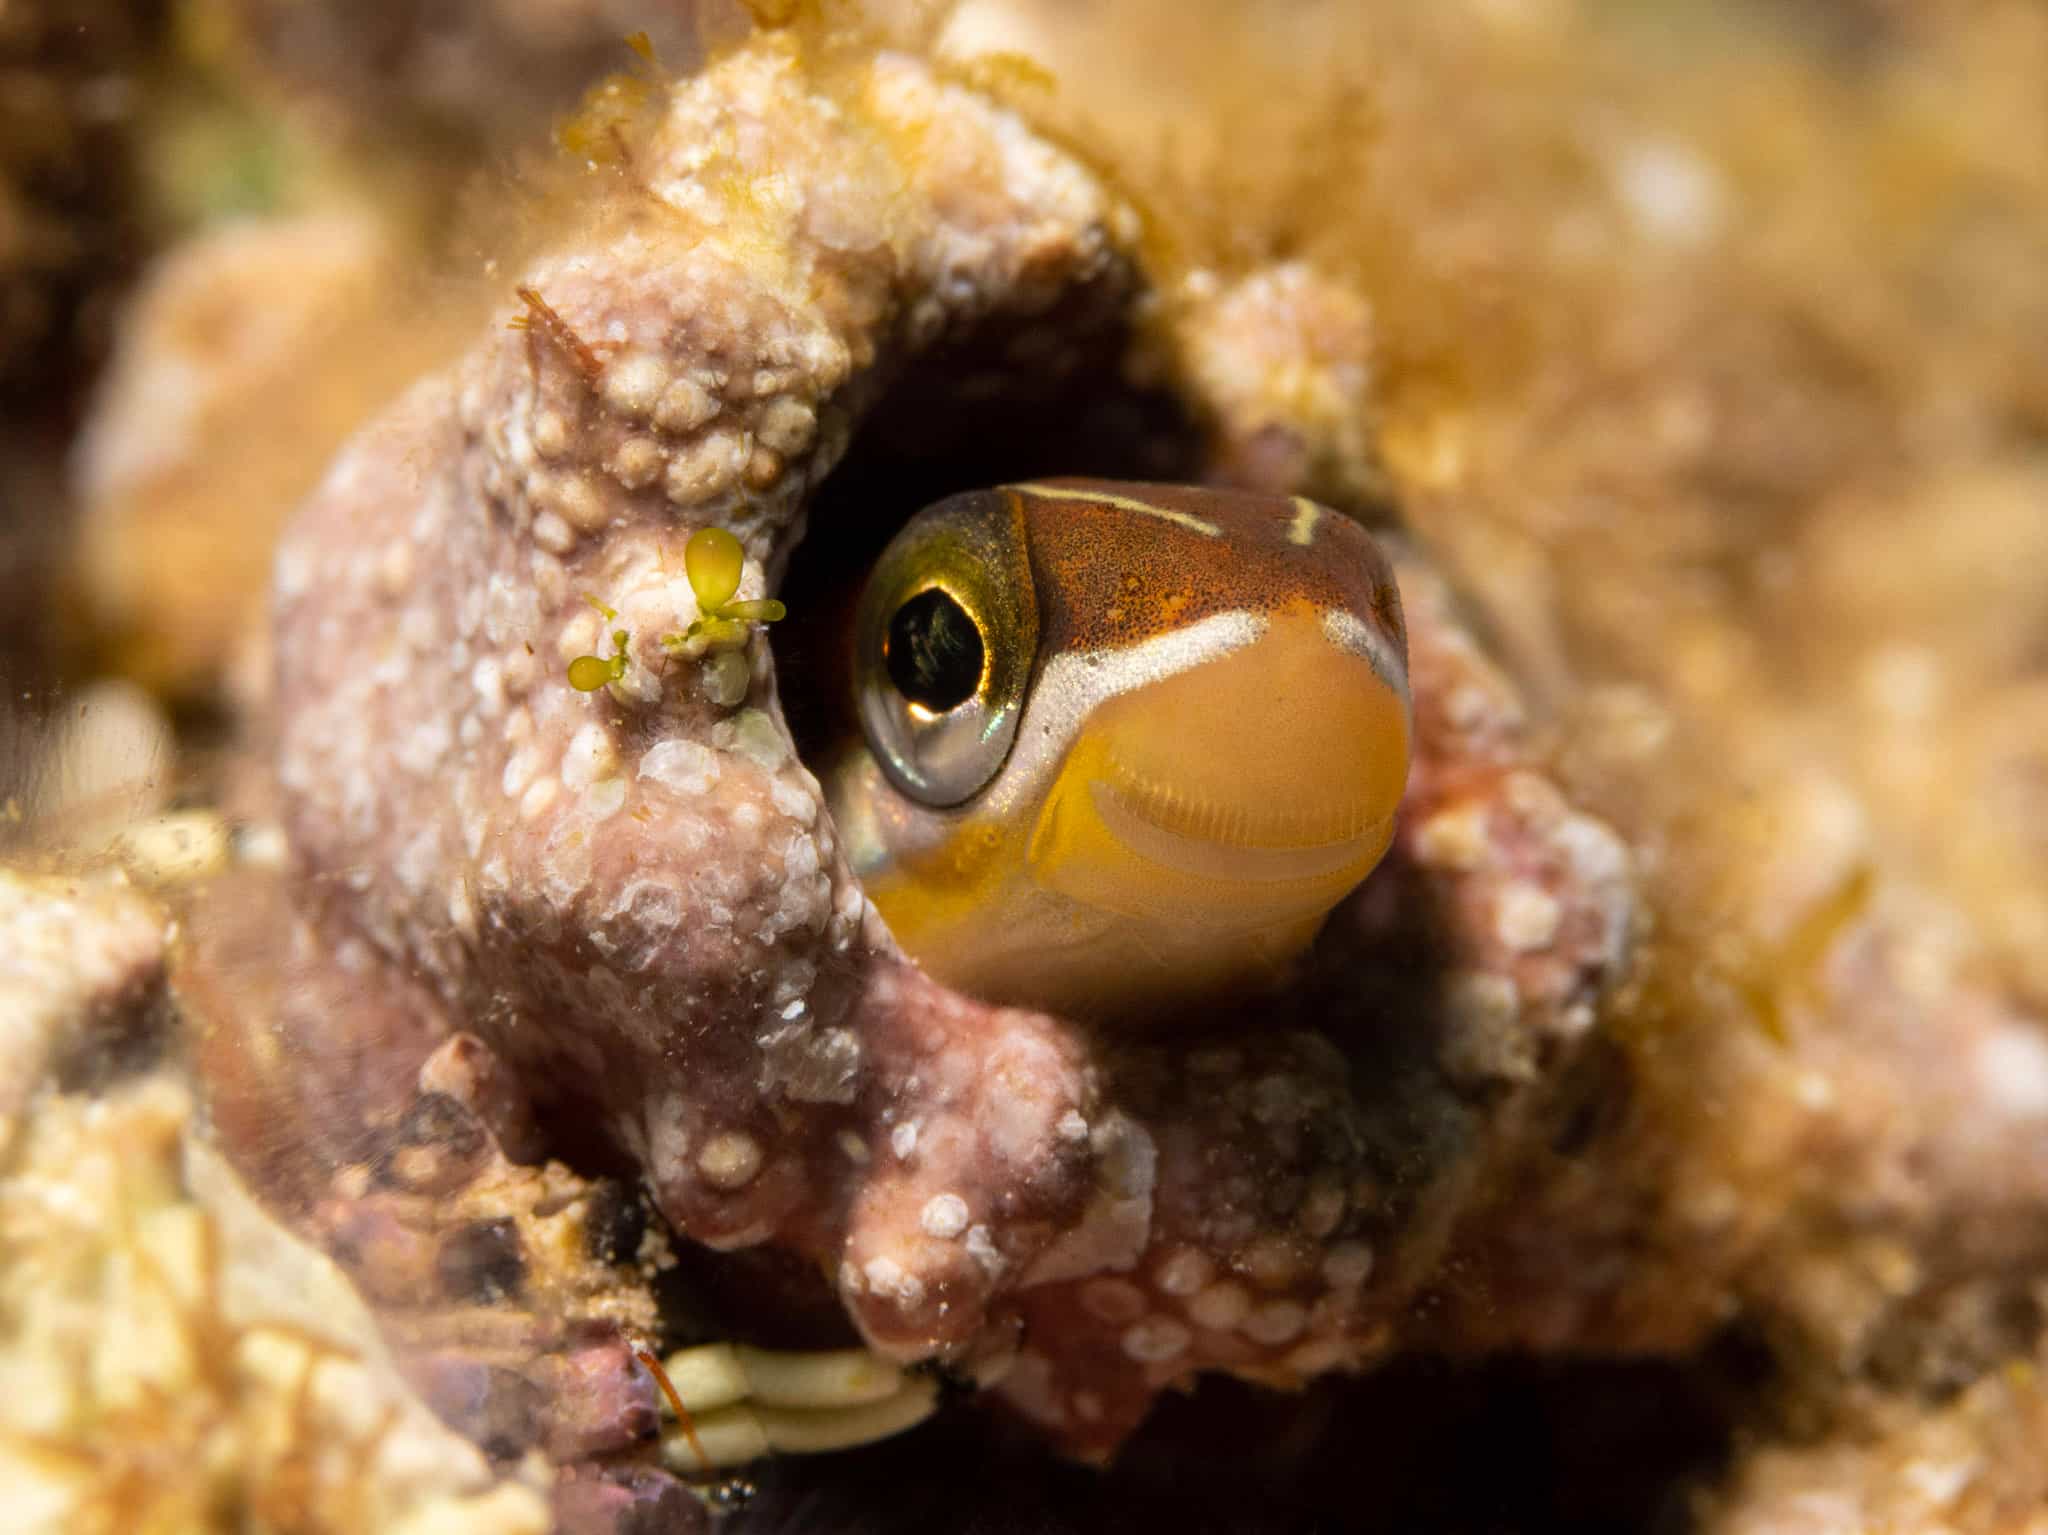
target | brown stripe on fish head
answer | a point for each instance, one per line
(1117, 563)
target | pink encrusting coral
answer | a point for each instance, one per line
(632, 895)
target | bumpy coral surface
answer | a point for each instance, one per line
(167, 1350)
(632, 896)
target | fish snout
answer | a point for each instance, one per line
(1249, 791)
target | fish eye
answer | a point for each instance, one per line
(934, 651)
(945, 638)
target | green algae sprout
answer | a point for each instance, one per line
(713, 560)
(589, 673)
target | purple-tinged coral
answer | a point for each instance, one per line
(630, 894)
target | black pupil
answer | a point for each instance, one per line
(934, 651)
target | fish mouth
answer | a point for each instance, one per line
(1239, 840)
(1256, 786)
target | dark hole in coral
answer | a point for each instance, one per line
(1048, 398)
(1593, 1100)
(760, 1295)
(615, 1222)
(1510, 1445)
(483, 1262)
(128, 1042)
(1378, 987)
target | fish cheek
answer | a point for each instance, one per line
(934, 899)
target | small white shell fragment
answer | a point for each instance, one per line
(785, 426)
(1184, 1272)
(1221, 1306)
(1347, 1265)
(174, 848)
(1527, 917)
(1276, 1322)
(727, 676)
(731, 1436)
(605, 799)
(717, 1375)
(686, 767)
(684, 406)
(814, 1433)
(734, 1435)
(837, 1378)
(944, 1216)
(553, 533)
(634, 384)
(1156, 1340)
(637, 463)
(730, 1160)
(707, 1378)
(261, 845)
(590, 756)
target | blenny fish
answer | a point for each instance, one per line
(1122, 745)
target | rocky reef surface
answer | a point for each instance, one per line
(1683, 1069)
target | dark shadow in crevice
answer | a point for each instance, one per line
(1511, 1446)
(1378, 985)
(1047, 398)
